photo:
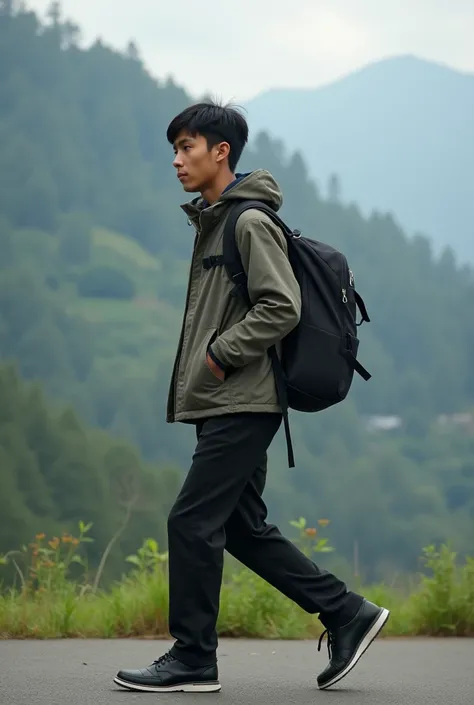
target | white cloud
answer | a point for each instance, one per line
(234, 50)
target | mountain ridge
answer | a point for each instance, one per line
(400, 136)
(388, 62)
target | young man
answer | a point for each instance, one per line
(223, 383)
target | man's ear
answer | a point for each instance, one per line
(222, 151)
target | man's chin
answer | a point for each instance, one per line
(190, 188)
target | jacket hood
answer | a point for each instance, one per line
(258, 185)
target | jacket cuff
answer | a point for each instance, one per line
(215, 359)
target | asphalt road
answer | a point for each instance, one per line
(392, 672)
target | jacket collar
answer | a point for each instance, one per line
(199, 210)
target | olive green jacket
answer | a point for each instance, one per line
(215, 321)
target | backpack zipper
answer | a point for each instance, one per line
(351, 283)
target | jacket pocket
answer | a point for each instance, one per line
(202, 389)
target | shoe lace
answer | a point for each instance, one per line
(330, 640)
(166, 658)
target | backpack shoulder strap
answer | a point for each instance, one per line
(230, 251)
(236, 273)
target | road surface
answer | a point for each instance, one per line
(392, 672)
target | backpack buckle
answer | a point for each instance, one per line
(212, 261)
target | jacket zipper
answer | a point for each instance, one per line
(183, 325)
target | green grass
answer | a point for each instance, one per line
(47, 604)
(138, 313)
(133, 337)
(114, 243)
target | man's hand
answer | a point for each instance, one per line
(215, 369)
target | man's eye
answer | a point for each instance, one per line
(187, 147)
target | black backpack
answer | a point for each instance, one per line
(318, 357)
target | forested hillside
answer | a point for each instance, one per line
(55, 471)
(93, 262)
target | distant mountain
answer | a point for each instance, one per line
(399, 134)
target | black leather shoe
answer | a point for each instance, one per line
(168, 675)
(347, 643)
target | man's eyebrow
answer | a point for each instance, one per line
(182, 141)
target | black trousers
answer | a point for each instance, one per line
(220, 506)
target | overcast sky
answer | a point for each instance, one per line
(236, 49)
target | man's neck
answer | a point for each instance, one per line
(213, 192)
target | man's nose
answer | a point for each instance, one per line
(177, 162)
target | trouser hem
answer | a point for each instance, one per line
(335, 620)
(191, 660)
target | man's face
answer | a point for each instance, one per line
(195, 164)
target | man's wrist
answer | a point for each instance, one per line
(215, 369)
(216, 360)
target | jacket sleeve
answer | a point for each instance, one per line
(273, 290)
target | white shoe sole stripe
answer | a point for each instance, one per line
(363, 646)
(211, 687)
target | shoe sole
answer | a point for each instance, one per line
(209, 687)
(366, 641)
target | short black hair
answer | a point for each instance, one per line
(216, 123)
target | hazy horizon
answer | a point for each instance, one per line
(290, 45)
